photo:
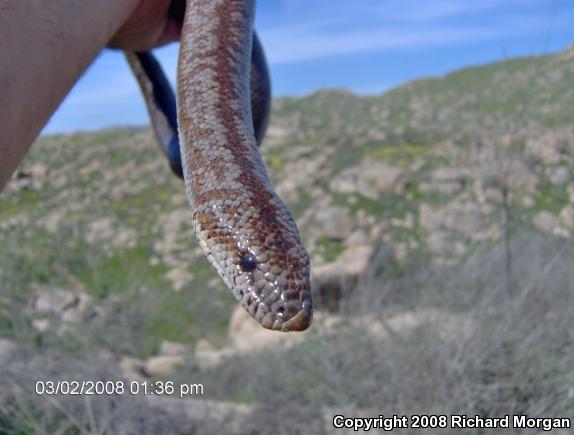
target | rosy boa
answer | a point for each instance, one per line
(243, 227)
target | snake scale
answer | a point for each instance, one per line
(211, 140)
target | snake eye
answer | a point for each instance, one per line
(248, 262)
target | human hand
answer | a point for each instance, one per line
(153, 23)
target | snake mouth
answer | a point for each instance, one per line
(280, 321)
(292, 315)
(300, 321)
(289, 310)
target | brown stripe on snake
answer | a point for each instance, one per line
(243, 227)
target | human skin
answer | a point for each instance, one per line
(45, 46)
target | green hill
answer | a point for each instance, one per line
(102, 209)
(98, 255)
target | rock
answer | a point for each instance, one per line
(173, 348)
(132, 368)
(204, 345)
(447, 180)
(464, 218)
(275, 131)
(51, 221)
(442, 242)
(430, 218)
(385, 177)
(79, 310)
(560, 176)
(69, 306)
(546, 222)
(445, 187)
(287, 191)
(32, 177)
(370, 180)
(512, 172)
(358, 237)
(438, 242)
(401, 251)
(99, 230)
(333, 222)
(527, 201)
(7, 349)
(41, 325)
(246, 335)
(333, 280)
(408, 222)
(361, 217)
(179, 277)
(38, 171)
(376, 232)
(544, 148)
(566, 217)
(163, 365)
(461, 217)
(54, 300)
(125, 238)
(208, 358)
(300, 174)
(352, 262)
(493, 195)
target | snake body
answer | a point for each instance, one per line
(243, 227)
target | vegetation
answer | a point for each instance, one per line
(461, 185)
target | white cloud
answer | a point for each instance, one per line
(116, 89)
(296, 44)
(320, 28)
(436, 10)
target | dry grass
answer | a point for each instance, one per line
(508, 355)
(24, 412)
(482, 351)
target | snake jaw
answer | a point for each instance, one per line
(282, 315)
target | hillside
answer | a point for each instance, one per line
(98, 258)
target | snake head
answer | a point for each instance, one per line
(254, 245)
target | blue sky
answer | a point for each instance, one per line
(368, 46)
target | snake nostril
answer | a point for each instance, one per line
(248, 262)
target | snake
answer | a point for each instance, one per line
(210, 134)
